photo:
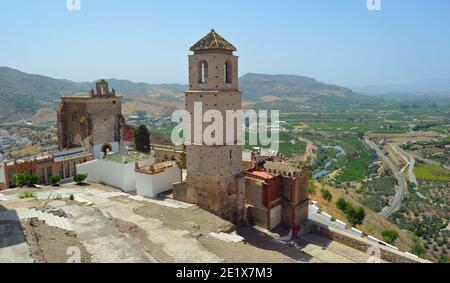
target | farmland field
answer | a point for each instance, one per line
(432, 172)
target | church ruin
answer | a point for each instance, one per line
(94, 122)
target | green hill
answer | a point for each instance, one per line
(255, 86)
(22, 94)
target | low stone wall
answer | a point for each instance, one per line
(361, 244)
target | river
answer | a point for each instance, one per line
(340, 152)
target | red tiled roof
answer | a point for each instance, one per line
(213, 41)
(263, 175)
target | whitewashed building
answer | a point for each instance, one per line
(133, 172)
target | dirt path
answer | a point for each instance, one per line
(310, 152)
(52, 245)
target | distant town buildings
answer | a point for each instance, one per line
(8, 141)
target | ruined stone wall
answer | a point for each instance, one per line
(73, 124)
(104, 114)
(86, 121)
(254, 192)
(219, 195)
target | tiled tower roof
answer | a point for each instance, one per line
(213, 41)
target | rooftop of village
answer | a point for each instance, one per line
(129, 156)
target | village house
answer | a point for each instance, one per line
(60, 163)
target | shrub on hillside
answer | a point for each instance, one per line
(418, 248)
(312, 188)
(326, 195)
(342, 204)
(389, 236)
(355, 215)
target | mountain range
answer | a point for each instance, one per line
(428, 86)
(23, 94)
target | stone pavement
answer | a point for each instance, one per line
(102, 240)
(25, 213)
(334, 252)
(166, 239)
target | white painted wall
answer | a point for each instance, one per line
(411, 255)
(357, 232)
(327, 216)
(2, 175)
(151, 185)
(392, 247)
(314, 208)
(373, 239)
(342, 225)
(121, 176)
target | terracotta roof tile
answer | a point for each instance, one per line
(213, 41)
(263, 175)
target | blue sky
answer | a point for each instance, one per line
(335, 41)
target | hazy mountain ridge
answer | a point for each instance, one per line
(426, 87)
(283, 86)
(22, 94)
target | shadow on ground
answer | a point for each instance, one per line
(11, 230)
(258, 239)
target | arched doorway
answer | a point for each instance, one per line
(106, 148)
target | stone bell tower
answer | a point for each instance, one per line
(215, 180)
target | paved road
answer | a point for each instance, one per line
(395, 203)
(411, 164)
